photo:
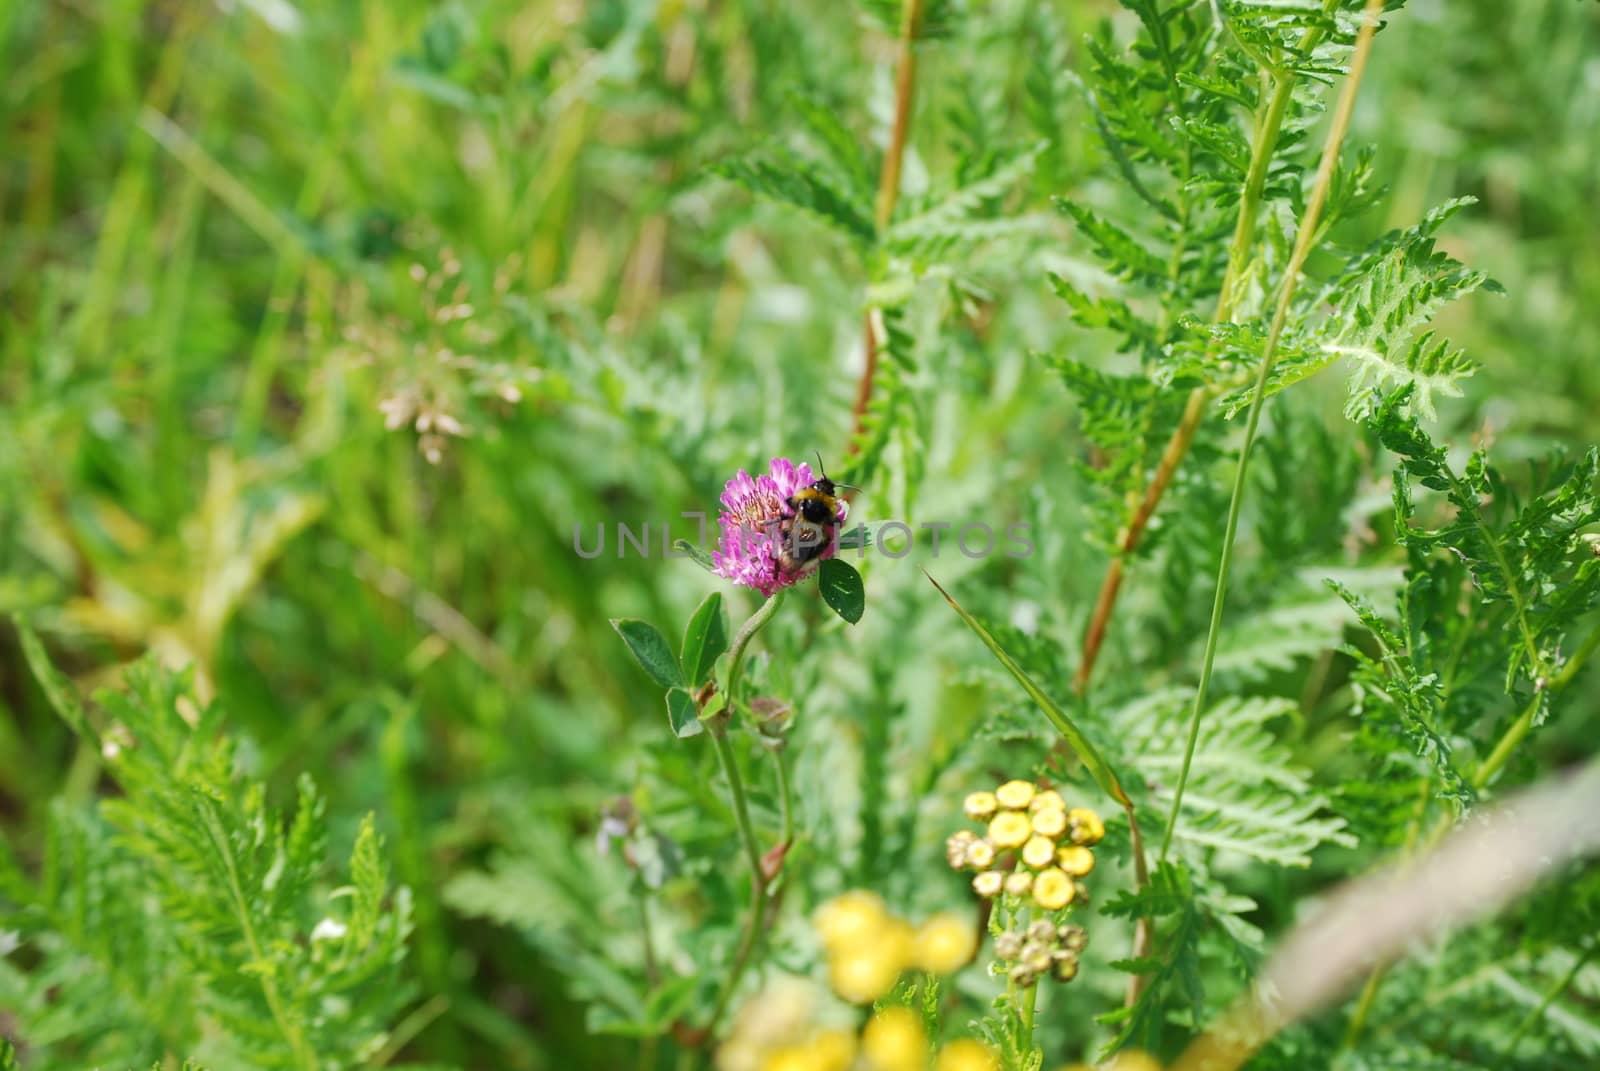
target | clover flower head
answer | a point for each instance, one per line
(753, 511)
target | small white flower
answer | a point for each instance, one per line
(329, 929)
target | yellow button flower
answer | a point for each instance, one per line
(1009, 829)
(1039, 852)
(1076, 860)
(895, 1041)
(1053, 890)
(789, 1058)
(849, 919)
(1050, 822)
(865, 973)
(1014, 794)
(979, 805)
(944, 943)
(1018, 882)
(1087, 828)
(980, 853)
(967, 1054)
(832, 1050)
(1047, 800)
(989, 883)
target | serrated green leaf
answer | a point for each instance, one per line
(651, 650)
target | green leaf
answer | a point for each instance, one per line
(842, 589)
(704, 640)
(681, 713)
(781, 176)
(650, 649)
(1093, 761)
(56, 687)
(682, 548)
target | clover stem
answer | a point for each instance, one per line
(718, 731)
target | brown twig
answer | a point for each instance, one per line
(905, 93)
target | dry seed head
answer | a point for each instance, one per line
(1018, 882)
(980, 853)
(956, 848)
(988, 884)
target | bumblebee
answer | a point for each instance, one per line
(809, 530)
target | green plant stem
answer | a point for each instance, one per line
(741, 642)
(785, 805)
(1575, 663)
(758, 881)
(741, 808)
(1268, 127)
(1537, 1013)
(1297, 258)
(718, 731)
(1030, 997)
(305, 1057)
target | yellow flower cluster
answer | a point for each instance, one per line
(869, 947)
(1050, 840)
(779, 1030)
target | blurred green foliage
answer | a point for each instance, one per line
(323, 325)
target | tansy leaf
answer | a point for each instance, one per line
(1095, 762)
(650, 649)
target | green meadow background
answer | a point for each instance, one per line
(323, 323)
